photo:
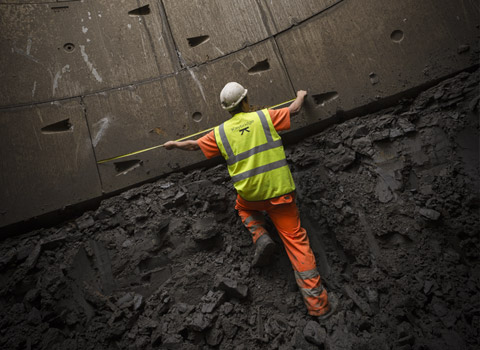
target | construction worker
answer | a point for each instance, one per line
(256, 161)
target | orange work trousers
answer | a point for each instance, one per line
(284, 214)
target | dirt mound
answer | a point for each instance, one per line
(391, 205)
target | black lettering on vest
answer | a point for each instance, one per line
(243, 130)
(246, 124)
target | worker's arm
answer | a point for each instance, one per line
(189, 145)
(297, 104)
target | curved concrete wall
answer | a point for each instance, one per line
(87, 80)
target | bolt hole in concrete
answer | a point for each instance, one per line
(69, 47)
(141, 11)
(396, 36)
(59, 8)
(126, 166)
(259, 67)
(321, 99)
(197, 116)
(197, 40)
(61, 126)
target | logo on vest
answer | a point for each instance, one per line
(243, 130)
(243, 126)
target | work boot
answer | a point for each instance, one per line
(332, 304)
(264, 248)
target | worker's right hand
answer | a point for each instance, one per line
(301, 93)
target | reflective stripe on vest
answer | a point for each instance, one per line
(260, 170)
(257, 156)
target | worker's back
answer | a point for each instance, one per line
(255, 156)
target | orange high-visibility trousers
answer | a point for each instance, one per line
(284, 214)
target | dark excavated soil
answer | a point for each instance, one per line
(391, 205)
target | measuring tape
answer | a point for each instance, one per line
(181, 139)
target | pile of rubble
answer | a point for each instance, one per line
(391, 205)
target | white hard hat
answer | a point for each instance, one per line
(232, 94)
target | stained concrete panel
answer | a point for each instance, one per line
(204, 30)
(259, 69)
(150, 114)
(47, 160)
(65, 49)
(136, 118)
(279, 15)
(359, 52)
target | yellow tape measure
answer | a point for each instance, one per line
(181, 139)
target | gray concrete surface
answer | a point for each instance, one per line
(139, 66)
(360, 52)
(65, 49)
(47, 160)
(281, 14)
(203, 32)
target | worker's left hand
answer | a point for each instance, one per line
(169, 145)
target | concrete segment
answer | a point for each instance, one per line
(347, 59)
(207, 30)
(42, 171)
(66, 49)
(150, 114)
(266, 86)
(136, 118)
(282, 14)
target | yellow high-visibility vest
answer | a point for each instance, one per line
(255, 157)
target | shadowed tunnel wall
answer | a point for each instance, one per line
(88, 80)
